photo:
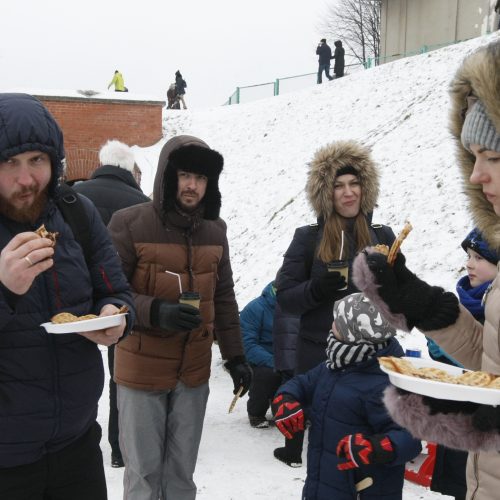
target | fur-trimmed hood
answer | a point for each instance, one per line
(323, 170)
(193, 155)
(479, 75)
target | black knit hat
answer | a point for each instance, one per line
(348, 169)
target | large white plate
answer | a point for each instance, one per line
(87, 325)
(442, 390)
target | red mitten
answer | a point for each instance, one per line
(288, 415)
(362, 450)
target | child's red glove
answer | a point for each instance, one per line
(362, 450)
(288, 415)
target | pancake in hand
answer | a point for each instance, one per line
(43, 233)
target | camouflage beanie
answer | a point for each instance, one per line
(358, 321)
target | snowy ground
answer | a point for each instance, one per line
(236, 461)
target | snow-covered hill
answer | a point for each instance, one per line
(401, 111)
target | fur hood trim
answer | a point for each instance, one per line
(454, 430)
(479, 75)
(193, 155)
(364, 280)
(324, 167)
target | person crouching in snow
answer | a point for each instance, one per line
(353, 443)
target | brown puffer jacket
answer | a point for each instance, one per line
(467, 341)
(152, 239)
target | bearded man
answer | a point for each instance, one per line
(49, 384)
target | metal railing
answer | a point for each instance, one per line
(236, 96)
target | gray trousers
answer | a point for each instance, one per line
(160, 433)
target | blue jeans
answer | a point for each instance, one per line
(326, 69)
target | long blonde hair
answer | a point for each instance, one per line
(330, 245)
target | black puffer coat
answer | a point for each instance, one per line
(50, 384)
(295, 296)
(325, 53)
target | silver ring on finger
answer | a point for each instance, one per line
(29, 261)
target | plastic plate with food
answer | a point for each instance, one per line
(86, 325)
(442, 381)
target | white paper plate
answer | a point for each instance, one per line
(87, 325)
(442, 390)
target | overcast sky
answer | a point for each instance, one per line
(217, 44)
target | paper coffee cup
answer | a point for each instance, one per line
(191, 298)
(342, 267)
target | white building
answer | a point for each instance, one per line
(412, 26)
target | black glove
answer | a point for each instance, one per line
(448, 406)
(424, 306)
(177, 317)
(361, 450)
(327, 285)
(288, 415)
(240, 372)
(486, 418)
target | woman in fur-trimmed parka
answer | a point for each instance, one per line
(475, 125)
(342, 188)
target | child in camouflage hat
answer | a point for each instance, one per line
(352, 438)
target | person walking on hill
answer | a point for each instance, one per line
(118, 82)
(339, 54)
(342, 187)
(325, 55)
(180, 87)
(50, 384)
(111, 187)
(173, 245)
(411, 302)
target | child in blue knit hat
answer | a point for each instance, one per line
(481, 271)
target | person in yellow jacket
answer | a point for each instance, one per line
(118, 82)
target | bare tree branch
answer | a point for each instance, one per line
(357, 24)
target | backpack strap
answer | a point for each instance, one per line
(310, 247)
(75, 215)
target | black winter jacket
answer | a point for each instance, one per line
(111, 188)
(339, 56)
(294, 286)
(325, 53)
(50, 384)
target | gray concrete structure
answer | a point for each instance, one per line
(409, 25)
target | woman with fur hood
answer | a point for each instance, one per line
(409, 302)
(342, 188)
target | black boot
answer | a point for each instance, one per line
(291, 453)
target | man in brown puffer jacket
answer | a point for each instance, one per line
(176, 243)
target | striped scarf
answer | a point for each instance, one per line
(340, 355)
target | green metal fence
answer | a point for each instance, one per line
(371, 62)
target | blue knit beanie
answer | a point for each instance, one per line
(474, 240)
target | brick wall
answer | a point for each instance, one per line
(87, 123)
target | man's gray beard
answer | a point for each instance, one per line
(24, 215)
